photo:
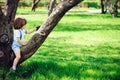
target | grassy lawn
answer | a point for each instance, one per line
(27, 10)
(81, 47)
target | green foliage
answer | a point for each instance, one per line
(44, 3)
(92, 4)
(2, 2)
(28, 3)
(81, 47)
(23, 4)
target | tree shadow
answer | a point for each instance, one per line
(85, 27)
(44, 68)
(73, 71)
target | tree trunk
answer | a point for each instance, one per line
(103, 9)
(35, 4)
(6, 34)
(111, 6)
(6, 31)
(51, 6)
(115, 9)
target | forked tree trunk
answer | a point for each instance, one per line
(6, 34)
(6, 31)
(5, 42)
(51, 6)
(35, 4)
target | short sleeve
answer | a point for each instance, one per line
(25, 31)
(17, 33)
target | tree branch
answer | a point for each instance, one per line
(11, 8)
(51, 6)
(38, 38)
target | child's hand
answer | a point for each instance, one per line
(24, 43)
(37, 27)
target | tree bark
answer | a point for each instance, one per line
(115, 9)
(51, 6)
(6, 31)
(111, 6)
(103, 10)
(6, 34)
(10, 10)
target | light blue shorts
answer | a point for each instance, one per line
(16, 46)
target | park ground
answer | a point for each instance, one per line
(85, 45)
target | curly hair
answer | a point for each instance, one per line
(19, 23)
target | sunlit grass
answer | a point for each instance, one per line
(27, 10)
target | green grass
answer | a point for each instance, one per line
(27, 10)
(81, 47)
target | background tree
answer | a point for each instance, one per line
(115, 8)
(6, 32)
(35, 4)
(103, 10)
(111, 5)
(51, 6)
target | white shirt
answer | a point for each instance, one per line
(19, 33)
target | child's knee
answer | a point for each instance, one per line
(18, 57)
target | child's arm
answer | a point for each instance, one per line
(21, 42)
(31, 31)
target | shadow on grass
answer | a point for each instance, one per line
(82, 15)
(86, 27)
(73, 71)
(88, 15)
(92, 62)
(45, 68)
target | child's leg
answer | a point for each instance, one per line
(17, 58)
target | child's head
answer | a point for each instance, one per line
(19, 23)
